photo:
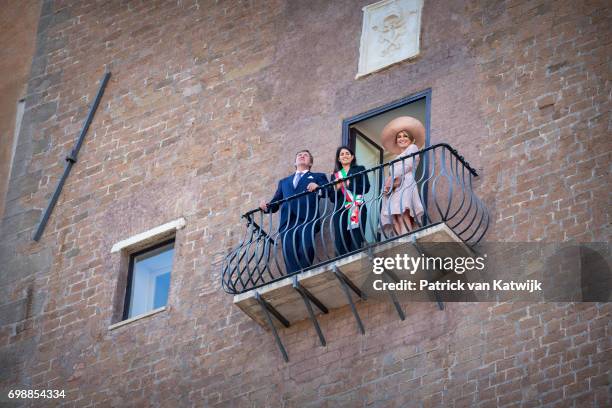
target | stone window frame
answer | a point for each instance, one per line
(128, 248)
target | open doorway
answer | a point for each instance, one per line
(363, 134)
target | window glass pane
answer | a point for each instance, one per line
(150, 280)
(162, 285)
(369, 156)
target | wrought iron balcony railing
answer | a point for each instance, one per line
(342, 218)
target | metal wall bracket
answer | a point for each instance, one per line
(308, 297)
(422, 251)
(269, 309)
(346, 283)
(390, 276)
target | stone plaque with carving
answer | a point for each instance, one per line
(390, 33)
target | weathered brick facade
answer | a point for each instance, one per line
(17, 40)
(206, 106)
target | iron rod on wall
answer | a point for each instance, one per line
(71, 159)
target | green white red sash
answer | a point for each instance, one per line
(352, 202)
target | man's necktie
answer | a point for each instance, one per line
(296, 179)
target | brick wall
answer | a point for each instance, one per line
(17, 40)
(205, 108)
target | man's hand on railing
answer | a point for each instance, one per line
(312, 187)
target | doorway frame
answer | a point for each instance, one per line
(352, 143)
(346, 123)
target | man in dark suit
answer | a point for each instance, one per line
(298, 223)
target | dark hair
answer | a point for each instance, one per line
(338, 165)
(309, 155)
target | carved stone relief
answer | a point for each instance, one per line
(390, 33)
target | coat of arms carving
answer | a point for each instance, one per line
(390, 33)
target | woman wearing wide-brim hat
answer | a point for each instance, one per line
(401, 206)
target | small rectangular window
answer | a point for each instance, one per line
(148, 282)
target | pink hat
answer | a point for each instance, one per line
(407, 123)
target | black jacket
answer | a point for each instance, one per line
(357, 185)
(303, 208)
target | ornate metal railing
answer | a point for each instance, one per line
(313, 228)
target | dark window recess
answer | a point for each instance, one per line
(148, 282)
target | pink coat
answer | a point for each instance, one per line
(406, 196)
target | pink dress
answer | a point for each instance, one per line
(406, 196)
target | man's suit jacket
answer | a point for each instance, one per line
(302, 209)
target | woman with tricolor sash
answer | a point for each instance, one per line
(350, 213)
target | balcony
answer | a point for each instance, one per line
(329, 265)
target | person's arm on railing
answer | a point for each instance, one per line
(394, 178)
(400, 169)
(362, 182)
(272, 206)
(320, 180)
(390, 184)
(333, 191)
